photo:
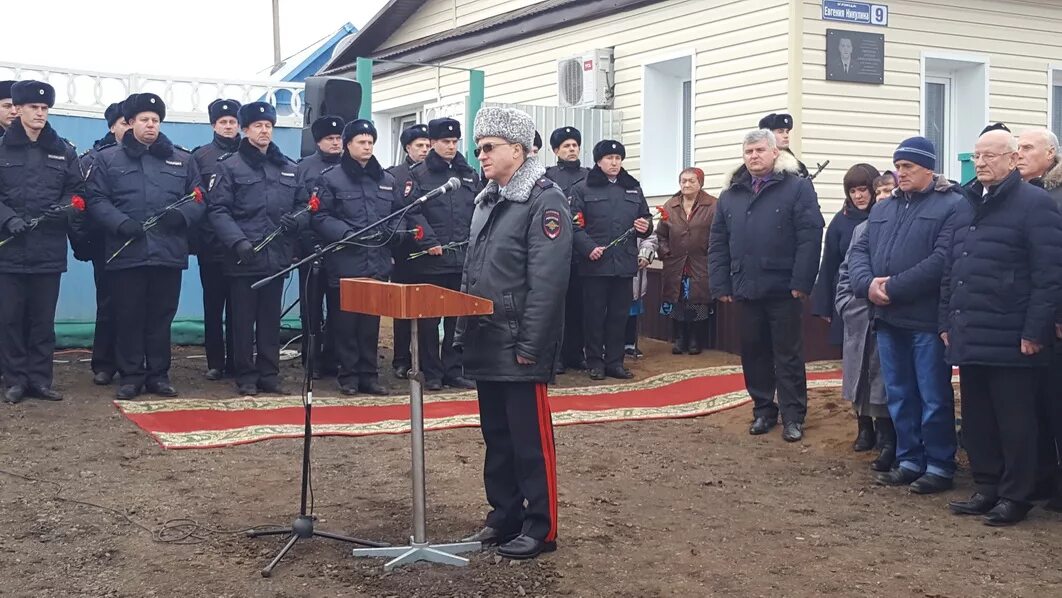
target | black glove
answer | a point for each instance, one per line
(17, 226)
(244, 251)
(172, 220)
(131, 229)
(289, 223)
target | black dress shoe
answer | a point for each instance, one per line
(372, 387)
(579, 366)
(525, 547)
(459, 382)
(273, 388)
(44, 393)
(102, 378)
(247, 390)
(762, 425)
(214, 374)
(162, 389)
(559, 369)
(793, 432)
(897, 476)
(433, 385)
(14, 395)
(349, 390)
(620, 373)
(1007, 512)
(490, 536)
(931, 484)
(597, 374)
(127, 392)
(402, 372)
(978, 504)
(865, 437)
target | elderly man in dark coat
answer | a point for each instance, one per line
(997, 313)
(763, 251)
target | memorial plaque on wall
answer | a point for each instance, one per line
(855, 56)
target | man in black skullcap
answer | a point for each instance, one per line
(7, 107)
(566, 143)
(91, 248)
(781, 125)
(130, 187)
(416, 144)
(355, 194)
(328, 135)
(446, 221)
(611, 202)
(256, 191)
(39, 184)
(217, 309)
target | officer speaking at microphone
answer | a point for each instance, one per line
(519, 258)
(141, 192)
(445, 220)
(255, 194)
(211, 254)
(416, 144)
(39, 182)
(354, 194)
(611, 203)
(327, 133)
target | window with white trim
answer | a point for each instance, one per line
(667, 124)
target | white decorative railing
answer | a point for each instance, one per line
(88, 93)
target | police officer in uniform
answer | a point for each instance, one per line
(39, 178)
(7, 107)
(129, 184)
(211, 254)
(327, 133)
(416, 144)
(781, 125)
(91, 248)
(611, 202)
(355, 194)
(566, 143)
(445, 220)
(519, 258)
(256, 191)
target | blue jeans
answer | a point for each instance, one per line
(921, 399)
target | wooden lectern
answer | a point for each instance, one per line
(410, 302)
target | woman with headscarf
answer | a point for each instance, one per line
(859, 199)
(685, 221)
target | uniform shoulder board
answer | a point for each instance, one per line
(225, 156)
(85, 153)
(545, 183)
(182, 148)
(329, 168)
(197, 148)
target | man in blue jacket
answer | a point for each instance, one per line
(898, 266)
(997, 318)
(764, 251)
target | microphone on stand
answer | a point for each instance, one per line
(446, 187)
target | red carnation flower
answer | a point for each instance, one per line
(579, 220)
(78, 203)
(197, 193)
(418, 233)
(314, 204)
(663, 213)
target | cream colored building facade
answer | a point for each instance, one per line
(695, 74)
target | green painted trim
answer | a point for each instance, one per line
(364, 78)
(75, 334)
(476, 94)
(968, 172)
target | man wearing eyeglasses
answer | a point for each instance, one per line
(519, 256)
(445, 220)
(997, 317)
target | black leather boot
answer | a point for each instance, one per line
(680, 343)
(692, 336)
(865, 436)
(886, 444)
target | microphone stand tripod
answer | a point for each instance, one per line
(303, 526)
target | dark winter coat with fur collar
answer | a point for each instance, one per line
(35, 176)
(518, 257)
(132, 181)
(765, 244)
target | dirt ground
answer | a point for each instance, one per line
(693, 507)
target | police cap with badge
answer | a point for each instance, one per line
(327, 126)
(32, 92)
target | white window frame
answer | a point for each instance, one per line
(962, 135)
(949, 116)
(656, 182)
(1054, 78)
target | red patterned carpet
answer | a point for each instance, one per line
(200, 423)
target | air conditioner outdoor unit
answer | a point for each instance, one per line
(584, 81)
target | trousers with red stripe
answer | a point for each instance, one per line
(520, 467)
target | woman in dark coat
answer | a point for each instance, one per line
(685, 221)
(859, 198)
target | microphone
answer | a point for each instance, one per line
(446, 187)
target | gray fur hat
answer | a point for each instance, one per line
(512, 125)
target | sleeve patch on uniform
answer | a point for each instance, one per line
(210, 184)
(408, 189)
(551, 224)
